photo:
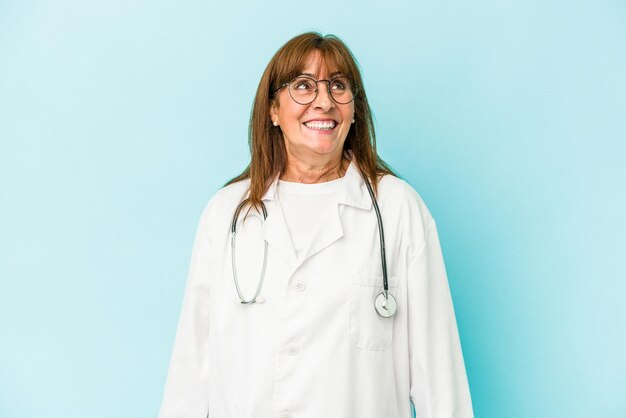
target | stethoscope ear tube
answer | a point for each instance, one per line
(233, 237)
(233, 225)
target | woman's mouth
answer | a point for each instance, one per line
(321, 125)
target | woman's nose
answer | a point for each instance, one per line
(323, 100)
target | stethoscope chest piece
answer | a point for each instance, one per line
(385, 305)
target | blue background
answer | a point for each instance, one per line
(119, 119)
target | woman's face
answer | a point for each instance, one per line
(313, 133)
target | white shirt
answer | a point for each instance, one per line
(305, 208)
(316, 346)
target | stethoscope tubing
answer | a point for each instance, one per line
(381, 236)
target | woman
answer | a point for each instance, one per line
(299, 323)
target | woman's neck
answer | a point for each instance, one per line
(298, 171)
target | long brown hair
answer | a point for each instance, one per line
(267, 146)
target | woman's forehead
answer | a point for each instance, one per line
(317, 65)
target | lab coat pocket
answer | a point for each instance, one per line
(369, 330)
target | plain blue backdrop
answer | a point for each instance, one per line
(119, 119)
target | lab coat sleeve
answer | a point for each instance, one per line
(439, 387)
(186, 389)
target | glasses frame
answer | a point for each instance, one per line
(317, 89)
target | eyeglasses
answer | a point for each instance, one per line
(303, 89)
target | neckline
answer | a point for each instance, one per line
(327, 187)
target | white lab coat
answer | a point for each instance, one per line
(316, 346)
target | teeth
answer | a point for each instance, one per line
(320, 125)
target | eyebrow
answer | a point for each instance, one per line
(331, 75)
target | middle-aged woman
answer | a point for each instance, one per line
(291, 308)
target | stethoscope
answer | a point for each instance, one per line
(385, 304)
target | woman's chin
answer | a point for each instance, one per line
(326, 149)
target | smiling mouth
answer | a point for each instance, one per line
(326, 125)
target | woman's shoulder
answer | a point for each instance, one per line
(233, 191)
(405, 205)
(226, 198)
(398, 192)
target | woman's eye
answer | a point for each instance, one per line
(338, 85)
(303, 85)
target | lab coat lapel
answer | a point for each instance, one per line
(275, 229)
(330, 231)
(353, 193)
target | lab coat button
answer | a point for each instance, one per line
(292, 350)
(299, 286)
(284, 414)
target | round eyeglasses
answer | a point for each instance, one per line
(303, 89)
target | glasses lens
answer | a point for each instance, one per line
(302, 90)
(341, 90)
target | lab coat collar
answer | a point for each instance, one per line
(353, 190)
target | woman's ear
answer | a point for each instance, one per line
(274, 114)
